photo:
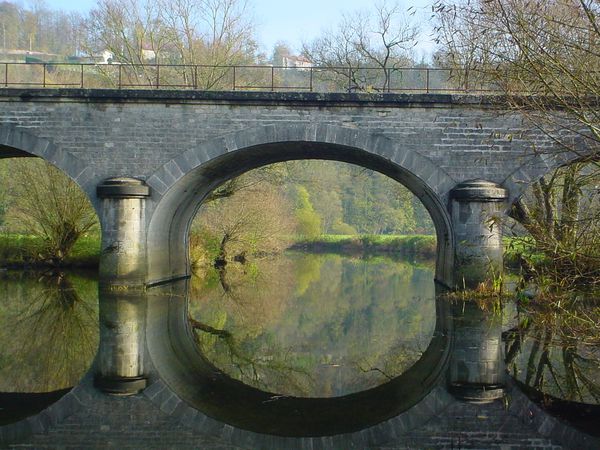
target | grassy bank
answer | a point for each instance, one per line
(17, 250)
(27, 251)
(410, 246)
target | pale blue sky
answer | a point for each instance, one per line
(289, 21)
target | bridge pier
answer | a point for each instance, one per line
(476, 206)
(122, 286)
(123, 254)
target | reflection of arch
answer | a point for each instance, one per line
(181, 184)
(67, 405)
(17, 142)
(182, 367)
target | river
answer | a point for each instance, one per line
(297, 324)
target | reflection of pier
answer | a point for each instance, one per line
(190, 403)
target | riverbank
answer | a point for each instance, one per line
(409, 246)
(25, 251)
(18, 251)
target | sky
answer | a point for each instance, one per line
(293, 22)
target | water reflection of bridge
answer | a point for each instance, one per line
(455, 396)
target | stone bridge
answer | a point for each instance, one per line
(146, 159)
(175, 146)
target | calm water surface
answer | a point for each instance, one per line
(48, 338)
(299, 324)
(315, 325)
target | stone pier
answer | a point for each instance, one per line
(477, 210)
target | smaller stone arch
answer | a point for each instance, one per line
(535, 167)
(179, 186)
(19, 142)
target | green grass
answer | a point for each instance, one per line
(414, 246)
(21, 250)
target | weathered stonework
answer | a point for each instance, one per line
(477, 209)
(123, 249)
(477, 372)
(122, 343)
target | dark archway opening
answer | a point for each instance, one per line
(312, 278)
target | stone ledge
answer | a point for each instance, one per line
(252, 97)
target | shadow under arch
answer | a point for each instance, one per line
(16, 142)
(180, 365)
(179, 187)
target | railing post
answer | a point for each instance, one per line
(389, 79)
(44, 76)
(157, 76)
(272, 78)
(195, 77)
(81, 76)
(310, 88)
(349, 79)
(120, 76)
(6, 75)
(234, 78)
(427, 80)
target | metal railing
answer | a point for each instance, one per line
(241, 77)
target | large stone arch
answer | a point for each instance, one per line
(19, 142)
(179, 186)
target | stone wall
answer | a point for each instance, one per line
(134, 133)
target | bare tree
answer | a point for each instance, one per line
(46, 203)
(253, 220)
(544, 56)
(381, 39)
(211, 33)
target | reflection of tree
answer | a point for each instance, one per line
(48, 331)
(251, 300)
(314, 325)
(542, 352)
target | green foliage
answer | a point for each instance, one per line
(342, 228)
(204, 245)
(353, 200)
(557, 239)
(309, 222)
(42, 201)
(48, 330)
(411, 246)
(5, 186)
(318, 198)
